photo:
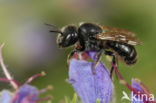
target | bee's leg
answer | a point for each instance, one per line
(114, 61)
(70, 56)
(98, 58)
(76, 50)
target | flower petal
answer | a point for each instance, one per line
(90, 87)
(136, 85)
(26, 93)
(143, 95)
(5, 97)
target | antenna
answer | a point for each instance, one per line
(55, 31)
(51, 25)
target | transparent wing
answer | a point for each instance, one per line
(118, 36)
(113, 29)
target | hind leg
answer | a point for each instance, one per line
(114, 61)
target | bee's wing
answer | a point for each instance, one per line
(113, 29)
(119, 37)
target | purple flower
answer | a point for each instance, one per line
(89, 86)
(5, 96)
(141, 93)
(26, 93)
(23, 94)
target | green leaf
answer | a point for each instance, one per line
(74, 98)
(67, 100)
(98, 101)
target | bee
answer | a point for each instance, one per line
(111, 41)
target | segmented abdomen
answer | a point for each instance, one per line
(125, 51)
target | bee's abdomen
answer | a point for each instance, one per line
(125, 51)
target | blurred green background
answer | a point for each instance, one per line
(30, 48)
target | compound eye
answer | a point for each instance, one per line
(69, 36)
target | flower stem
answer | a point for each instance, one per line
(7, 74)
(34, 77)
(130, 87)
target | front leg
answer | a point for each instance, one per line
(70, 56)
(78, 48)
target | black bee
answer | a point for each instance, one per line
(114, 42)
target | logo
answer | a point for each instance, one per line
(137, 97)
(125, 96)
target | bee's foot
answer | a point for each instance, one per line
(94, 67)
(85, 56)
(75, 55)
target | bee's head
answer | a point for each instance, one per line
(67, 37)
